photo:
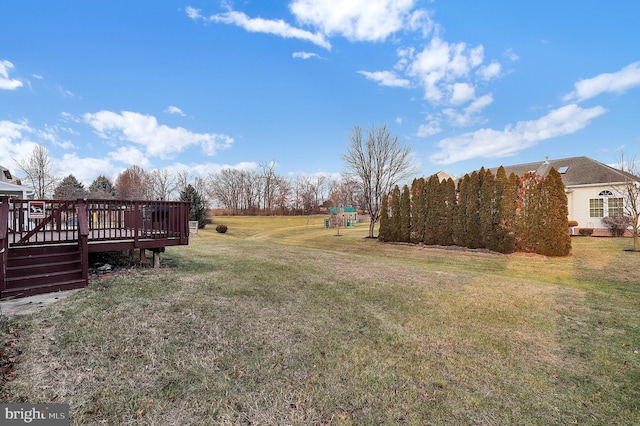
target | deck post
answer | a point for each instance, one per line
(184, 222)
(4, 241)
(83, 236)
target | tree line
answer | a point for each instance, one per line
(238, 192)
(500, 213)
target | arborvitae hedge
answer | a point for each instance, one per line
(555, 236)
(472, 210)
(405, 215)
(529, 222)
(418, 210)
(447, 196)
(396, 213)
(506, 192)
(384, 233)
(432, 210)
(501, 213)
(488, 211)
(459, 231)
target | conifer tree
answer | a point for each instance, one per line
(447, 199)
(102, 187)
(405, 215)
(69, 188)
(197, 212)
(459, 218)
(555, 239)
(488, 210)
(506, 190)
(472, 211)
(385, 222)
(530, 213)
(418, 201)
(394, 234)
(432, 208)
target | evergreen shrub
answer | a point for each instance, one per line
(585, 231)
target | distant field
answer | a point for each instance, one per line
(280, 321)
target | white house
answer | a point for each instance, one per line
(9, 186)
(594, 190)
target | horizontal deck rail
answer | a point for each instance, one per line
(35, 222)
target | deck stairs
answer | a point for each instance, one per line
(43, 269)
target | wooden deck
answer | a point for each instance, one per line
(42, 232)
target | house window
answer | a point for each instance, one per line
(596, 207)
(616, 207)
(605, 193)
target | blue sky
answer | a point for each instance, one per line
(201, 85)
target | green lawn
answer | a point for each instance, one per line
(280, 321)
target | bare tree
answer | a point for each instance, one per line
(227, 189)
(133, 184)
(344, 192)
(269, 178)
(378, 163)
(631, 194)
(282, 194)
(38, 172)
(162, 184)
(181, 180)
(303, 194)
(318, 187)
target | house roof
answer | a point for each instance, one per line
(7, 188)
(575, 171)
(6, 176)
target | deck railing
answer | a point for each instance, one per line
(33, 222)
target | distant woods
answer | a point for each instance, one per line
(238, 192)
(500, 213)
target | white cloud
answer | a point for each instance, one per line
(305, 55)
(7, 83)
(429, 129)
(386, 78)
(247, 166)
(491, 71)
(468, 115)
(462, 93)
(511, 55)
(617, 82)
(398, 120)
(52, 135)
(14, 142)
(193, 13)
(175, 110)
(439, 64)
(130, 156)
(276, 27)
(86, 169)
(489, 143)
(66, 93)
(358, 20)
(158, 139)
